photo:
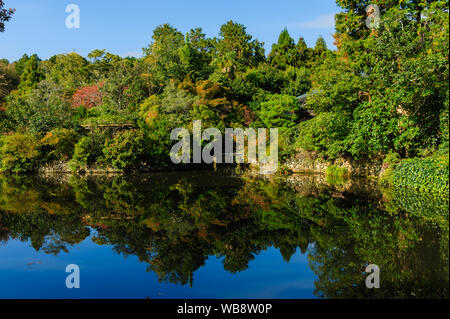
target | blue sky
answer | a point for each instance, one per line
(125, 27)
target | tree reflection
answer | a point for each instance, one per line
(174, 223)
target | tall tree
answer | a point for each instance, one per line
(163, 54)
(392, 80)
(196, 55)
(320, 48)
(352, 21)
(31, 76)
(304, 53)
(236, 49)
(284, 52)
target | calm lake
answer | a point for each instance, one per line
(216, 235)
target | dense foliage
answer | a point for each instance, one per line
(431, 173)
(384, 90)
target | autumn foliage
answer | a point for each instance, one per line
(88, 97)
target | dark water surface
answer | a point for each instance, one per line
(211, 235)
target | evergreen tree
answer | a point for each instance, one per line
(320, 48)
(304, 53)
(236, 50)
(196, 55)
(163, 54)
(284, 52)
(31, 76)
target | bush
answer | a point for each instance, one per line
(157, 138)
(373, 130)
(280, 111)
(389, 163)
(19, 153)
(126, 151)
(444, 125)
(104, 115)
(59, 144)
(39, 111)
(88, 151)
(298, 81)
(286, 143)
(325, 133)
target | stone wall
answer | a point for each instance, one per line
(309, 162)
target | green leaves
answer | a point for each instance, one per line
(88, 151)
(31, 76)
(425, 174)
(125, 151)
(19, 153)
(325, 133)
(236, 50)
(279, 111)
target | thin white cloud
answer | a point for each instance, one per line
(132, 54)
(325, 21)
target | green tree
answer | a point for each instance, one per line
(31, 75)
(19, 153)
(320, 48)
(279, 111)
(123, 90)
(284, 53)
(196, 55)
(42, 109)
(163, 56)
(20, 64)
(325, 134)
(304, 53)
(67, 71)
(236, 50)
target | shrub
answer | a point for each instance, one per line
(444, 125)
(41, 110)
(373, 130)
(19, 153)
(157, 137)
(286, 142)
(325, 133)
(280, 111)
(88, 150)
(125, 151)
(59, 144)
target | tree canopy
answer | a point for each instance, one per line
(383, 90)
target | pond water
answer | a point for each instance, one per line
(215, 235)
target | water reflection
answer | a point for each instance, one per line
(174, 222)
